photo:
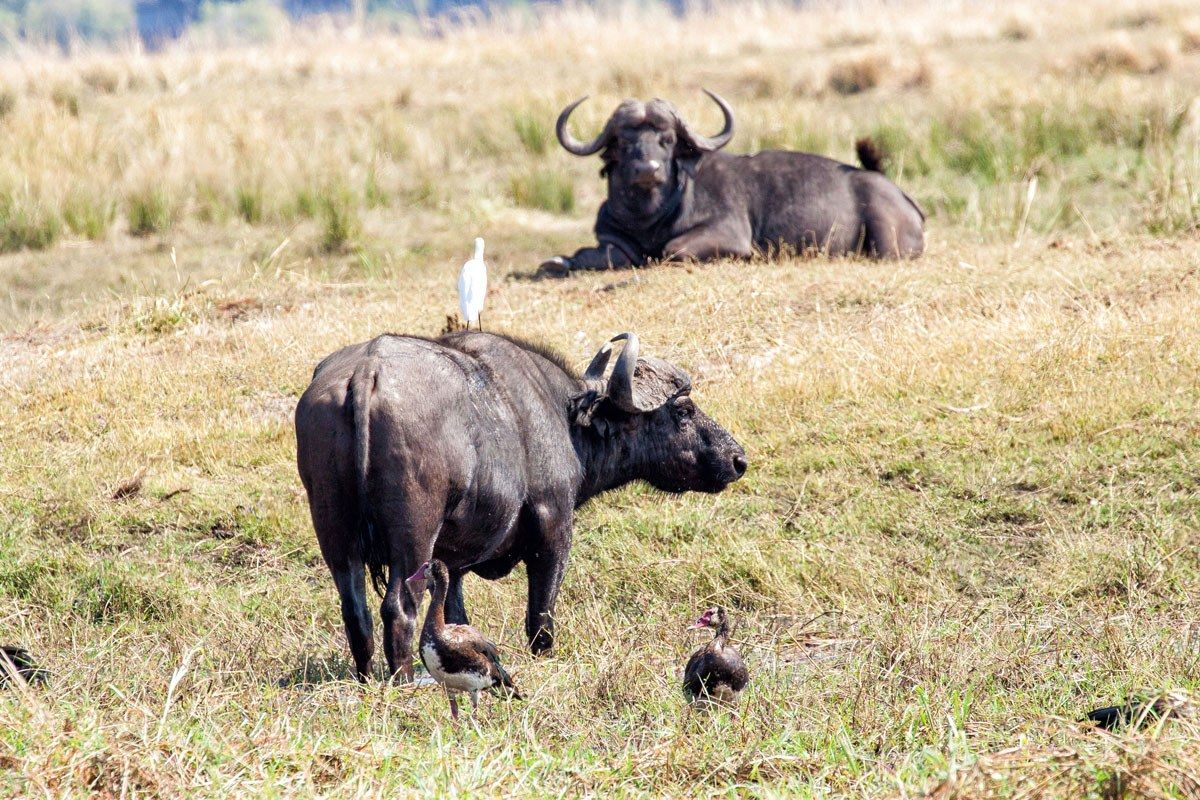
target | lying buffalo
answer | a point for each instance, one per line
(673, 196)
(476, 449)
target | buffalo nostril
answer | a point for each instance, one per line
(739, 465)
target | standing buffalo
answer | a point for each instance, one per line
(476, 449)
(673, 196)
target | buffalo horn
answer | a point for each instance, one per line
(704, 142)
(640, 384)
(595, 370)
(573, 145)
(620, 385)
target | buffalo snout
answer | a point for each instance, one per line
(735, 467)
(726, 462)
(648, 174)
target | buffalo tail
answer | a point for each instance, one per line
(373, 546)
(870, 155)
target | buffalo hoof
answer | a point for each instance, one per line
(557, 267)
(541, 643)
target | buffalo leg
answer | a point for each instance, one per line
(411, 528)
(456, 608)
(892, 237)
(545, 565)
(707, 245)
(352, 589)
(545, 576)
(399, 612)
(603, 257)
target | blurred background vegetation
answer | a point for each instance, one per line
(68, 23)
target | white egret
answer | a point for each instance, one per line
(472, 287)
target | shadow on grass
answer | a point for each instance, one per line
(335, 667)
(315, 671)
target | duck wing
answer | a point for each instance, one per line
(694, 672)
(710, 667)
(484, 658)
(733, 668)
(504, 683)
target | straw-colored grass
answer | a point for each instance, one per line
(972, 506)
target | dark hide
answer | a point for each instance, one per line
(476, 449)
(672, 196)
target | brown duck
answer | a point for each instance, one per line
(715, 674)
(457, 656)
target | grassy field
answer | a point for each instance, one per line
(973, 507)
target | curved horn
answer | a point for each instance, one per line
(595, 370)
(569, 142)
(640, 384)
(722, 138)
(620, 385)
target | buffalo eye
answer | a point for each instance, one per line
(667, 139)
(685, 409)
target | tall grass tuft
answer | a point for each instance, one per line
(1189, 33)
(211, 204)
(149, 211)
(374, 195)
(26, 223)
(858, 74)
(1119, 53)
(89, 215)
(532, 130)
(341, 226)
(66, 98)
(250, 202)
(543, 189)
(305, 204)
(102, 78)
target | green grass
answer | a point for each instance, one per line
(341, 225)
(533, 130)
(149, 211)
(27, 223)
(250, 203)
(89, 216)
(545, 190)
(954, 542)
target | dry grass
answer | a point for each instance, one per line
(859, 74)
(1189, 30)
(1020, 26)
(972, 508)
(1119, 53)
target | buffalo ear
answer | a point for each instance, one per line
(581, 409)
(609, 157)
(687, 152)
(689, 164)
